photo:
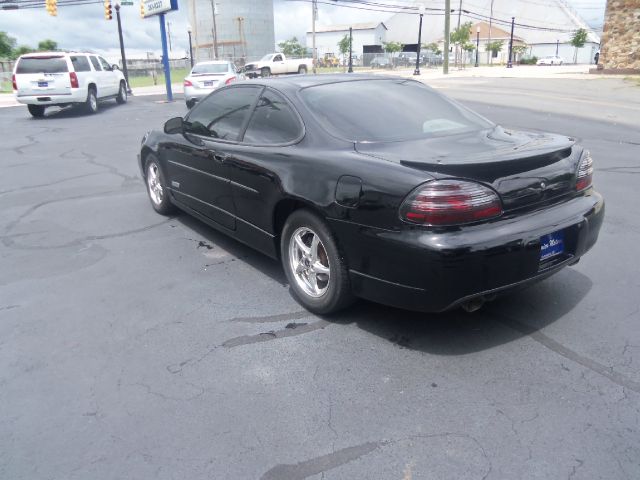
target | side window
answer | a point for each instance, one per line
(96, 64)
(273, 121)
(80, 63)
(105, 65)
(277, 58)
(222, 114)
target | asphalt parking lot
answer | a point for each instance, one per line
(134, 346)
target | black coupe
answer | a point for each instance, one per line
(376, 187)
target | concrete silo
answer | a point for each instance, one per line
(238, 29)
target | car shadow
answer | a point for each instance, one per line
(507, 318)
(75, 111)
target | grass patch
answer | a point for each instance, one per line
(177, 76)
(635, 79)
(6, 87)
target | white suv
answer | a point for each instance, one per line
(45, 79)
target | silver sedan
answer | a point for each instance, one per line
(205, 77)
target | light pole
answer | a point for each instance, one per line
(124, 58)
(314, 13)
(509, 63)
(417, 70)
(350, 50)
(447, 27)
(477, 43)
(190, 46)
(557, 45)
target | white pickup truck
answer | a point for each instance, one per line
(276, 64)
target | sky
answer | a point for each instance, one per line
(84, 27)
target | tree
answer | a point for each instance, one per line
(460, 36)
(7, 44)
(292, 48)
(519, 50)
(21, 50)
(467, 47)
(47, 45)
(392, 48)
(578, 40)
(433, 47)
(494, 47)
(343, 45)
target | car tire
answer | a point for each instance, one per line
(36, 111)
(302, 70)
(317, 271)
(265, 72)
(91, 104)
(122, 94)
(157, 187)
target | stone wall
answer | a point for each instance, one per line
(620, 47)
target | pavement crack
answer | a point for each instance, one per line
(49, 184)
(281, 317)
(557, 347)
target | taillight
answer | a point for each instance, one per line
(15, 84)
(450, 202)
(229, 80)
(74, 80)
(188, 83)
(585, 171)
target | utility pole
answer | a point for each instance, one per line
(489, 52)
(214, 30)
(417, 70)
(125, 71)
(477, 43)
(509, 62)
(190, 47)
(458, 27)
(314, 13)
(447, 27)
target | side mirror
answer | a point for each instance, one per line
(174, 125)
(115, 67)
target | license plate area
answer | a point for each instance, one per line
(551, 245)
(43, 84)
(208, 84)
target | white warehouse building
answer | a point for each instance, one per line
(366, 38)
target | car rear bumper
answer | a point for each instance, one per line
(433, 271)
(191, 93)
(75, 96)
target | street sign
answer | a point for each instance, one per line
(154, 7)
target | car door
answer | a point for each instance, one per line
(279, 65)
(110, 77)
(196, 164)
(267, 144)
(98, 75)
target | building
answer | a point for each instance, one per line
(545, 27)
(238, 29)
(621, 38)
(366, 38)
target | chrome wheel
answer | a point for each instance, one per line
(309, 262)
(156, 192)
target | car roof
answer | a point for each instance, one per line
(214, 62)
(297, 82)
(55, 54)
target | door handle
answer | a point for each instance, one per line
(220, 157)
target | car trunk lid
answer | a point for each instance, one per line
(207, 80)
(43, 76)
(524, 168)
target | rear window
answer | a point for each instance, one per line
(80, 64)
(204, 68)
(42, 65)
(388, 110)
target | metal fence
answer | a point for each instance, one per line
(396, 60)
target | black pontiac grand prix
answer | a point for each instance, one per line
(377, 187)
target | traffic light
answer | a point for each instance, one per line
(107, 10)
(52, 7)
(142, 8)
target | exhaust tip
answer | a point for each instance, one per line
(473, 305)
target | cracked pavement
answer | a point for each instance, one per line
(133, 346)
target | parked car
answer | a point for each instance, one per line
(205, 77)
(380, 62)
(46, 79)
(550, 60)
(434, 208)
(276, 64)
